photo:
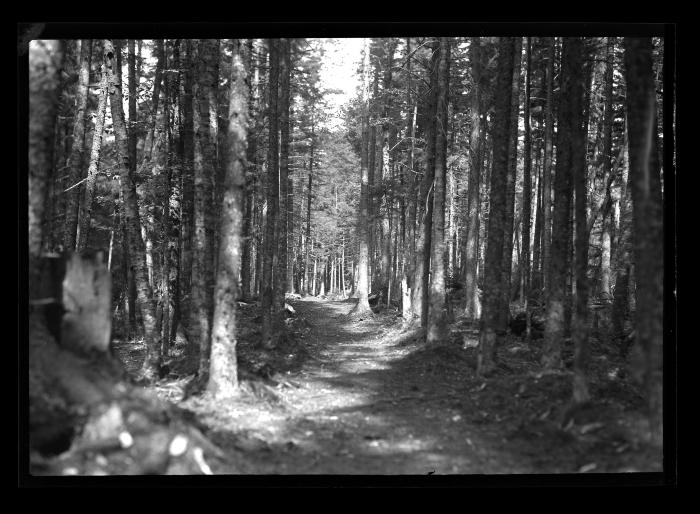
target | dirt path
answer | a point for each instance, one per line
(358, 406)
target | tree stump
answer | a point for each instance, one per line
(85, 415)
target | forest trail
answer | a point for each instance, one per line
(359, 405)
(369, 397)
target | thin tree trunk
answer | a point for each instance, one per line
(579, 331)
(307, 267)
(389, 47)
(160, 55)
(372, 188)
(173, 85)
(271, 256)
(86, 209)
(167, 256)
(507, 266)
(621, 294)
(471, 255)
(133, 80)
(527, 186)
(187, 207)
(284, 264)
(408, 254)
(547, 173)
(569, 115)
(77, 152)
(249, 197)
(436, 313)
(136, 248)
(607, 170)
(536, 284)
(342, 268)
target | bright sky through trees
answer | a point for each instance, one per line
(339, 72)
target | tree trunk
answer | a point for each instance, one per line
(270, 256)
(45, 67)
(187, 157)
(86, 209)
(148, 145)
(204, 171)
(283, 274)
(476, 144)
(249, 197)
(607, 170)
(136, 248)
(387, 143)
(342, 268)
(422, 268)
(507, 266)
(547, 173)
(536, 284)
(527, 186)
(133, 80)
(223, 378)
(307, 266)
(579, 330)
(561, 222)
(372, 214)
(496, 224)
(436, 314)
(362, 308)
(408, 254)
(645, 182)
(77, 153)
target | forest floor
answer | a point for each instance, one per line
(347, 396)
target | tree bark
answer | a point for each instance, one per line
(133, 79)
(307, 266)
(285, 282)
(486, 359)
(389, 48)
(561, 222)
(579, 331)
(77, 153)
(436, 314)
(362, 308)
(527, 185)
(150, 136)
(607, 170)
(547, 172)
(507, 266)
(187, 156)
(204, 171)
(223, 378)
(136, 248)
(645, 182)
(271, 255)
(476, 145)
(623, 256)
(422, 268)
(87, 205)
(249, 197)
